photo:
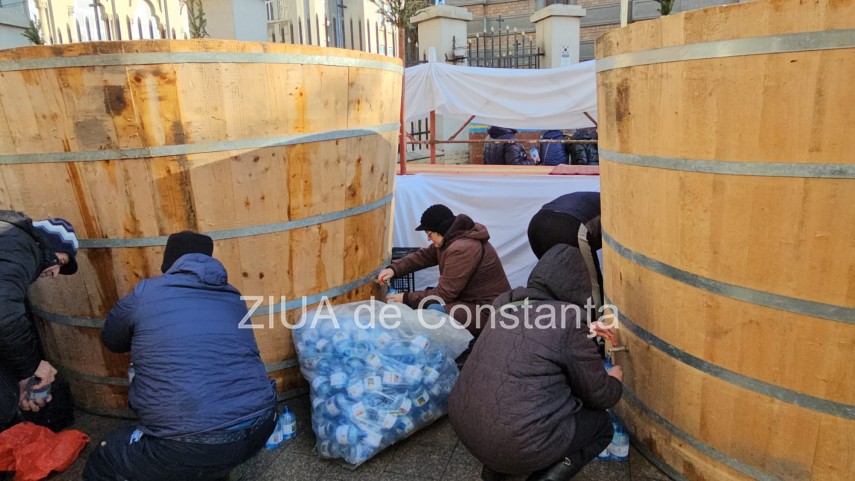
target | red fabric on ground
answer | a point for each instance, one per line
(34, 451)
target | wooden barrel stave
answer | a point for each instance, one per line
(726, 166)
(234, 139)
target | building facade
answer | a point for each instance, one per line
(600, 15)
(68, 21)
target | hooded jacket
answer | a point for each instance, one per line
(585, 154)
(23, 256)
(196, 369)
(504, 153)
(515, 401)
(470, 272)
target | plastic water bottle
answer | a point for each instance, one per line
(37, 394)
(276, 438)
(535, 155)
(619, 447)
(289, 425)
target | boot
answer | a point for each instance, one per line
(563, 470)
(488, 474)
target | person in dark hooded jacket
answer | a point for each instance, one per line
(28, 250)
(470, 271)
(585, 154)
(204, 400)
(532, 397)
(504, 153)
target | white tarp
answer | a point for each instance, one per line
(503, 203)
(517, 98)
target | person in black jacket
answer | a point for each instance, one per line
(572, 219)
(585, 154)
(504, 153)
(532, 397)
(28, 250)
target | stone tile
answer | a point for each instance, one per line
(256, 466)
(440, 433)
(604, 471)
(420, 460)
(293, 467)
(640, 468)
(462, 472)
(462, 456)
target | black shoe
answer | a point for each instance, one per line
(488, 474)
(560, 471)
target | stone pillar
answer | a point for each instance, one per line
(557, 30)
(443, 27)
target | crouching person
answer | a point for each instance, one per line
(532, 397)
(204, 400)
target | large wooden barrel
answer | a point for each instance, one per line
(728, 180)
(283, 154)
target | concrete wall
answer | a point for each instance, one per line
(13, 21)
(236, 19)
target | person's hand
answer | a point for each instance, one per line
(385, 275)
(616, 372)
(47, 374)
(399, 297)
(600, 329)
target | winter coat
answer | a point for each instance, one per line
(196, 368)
(470, 272)
(23, 256)
(554, 153)
(585, 154)
(515, 401)
(504, 153)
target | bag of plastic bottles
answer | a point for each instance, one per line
(377, 375)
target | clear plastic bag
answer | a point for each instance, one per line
(378, 373)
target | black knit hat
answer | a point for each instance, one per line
(437, 218)
(185, 242)
(59, 236)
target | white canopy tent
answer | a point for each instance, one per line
(556, 98)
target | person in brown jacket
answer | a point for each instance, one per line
(470, 271)
(532, 397)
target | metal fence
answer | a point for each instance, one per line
(365, 36)
(504, 50)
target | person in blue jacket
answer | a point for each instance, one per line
(204, 400)
(554, 153)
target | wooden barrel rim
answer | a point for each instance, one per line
(761, 298)
(733, 167)
(160, 58)
(770, 44)
(833, 408)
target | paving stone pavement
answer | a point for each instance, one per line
(434, 453)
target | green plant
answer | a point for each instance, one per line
(665, 6)
(33, 34)
(196, 14)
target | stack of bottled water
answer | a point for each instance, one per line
(371, 387)
(618, 449)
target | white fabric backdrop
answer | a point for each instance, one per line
(504, 204)
(552, 98)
